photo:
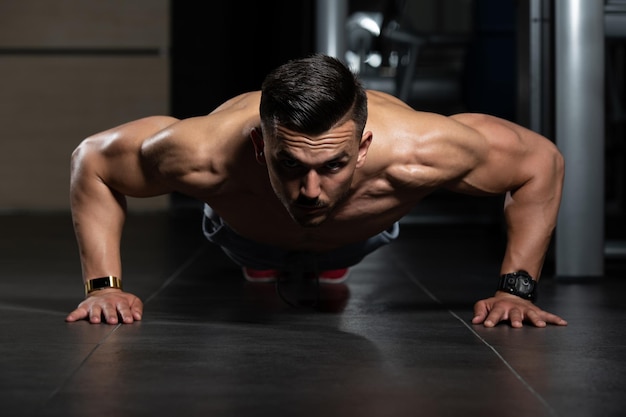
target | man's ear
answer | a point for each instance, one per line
(259, 145)
(364, 146)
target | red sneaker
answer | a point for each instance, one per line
(260, 275)
(334, 276)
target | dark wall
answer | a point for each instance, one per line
(222, 48)
(491, 83)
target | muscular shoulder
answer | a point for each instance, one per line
(514, 154)
(198, 152)
(421, 149)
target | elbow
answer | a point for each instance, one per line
(558, 176)
(84, 158)
(79, 154)
(559, 166)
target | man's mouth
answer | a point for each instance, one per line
(310, 208)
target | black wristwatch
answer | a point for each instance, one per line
(519, 283)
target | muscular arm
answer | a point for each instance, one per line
(105, 168)
(529, 169)
(144, 158)
(484, 155)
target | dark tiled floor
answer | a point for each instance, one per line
(396, 340)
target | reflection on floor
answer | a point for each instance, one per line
(395, 340)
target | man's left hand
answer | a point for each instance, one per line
(508, 307)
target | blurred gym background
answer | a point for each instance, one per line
(70, 68)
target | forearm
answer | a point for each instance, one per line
(529, 233)
(531, 215)
(98, 219)
(98, 215)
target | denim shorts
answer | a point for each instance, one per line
(246, 252)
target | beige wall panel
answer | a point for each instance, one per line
(49, 104)
(84, 23)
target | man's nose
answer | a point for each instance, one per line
(310, 186)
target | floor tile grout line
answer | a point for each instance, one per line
(175, 274)
(20, 308)
(507, 364)
(167, 282)
(432, 296)
(79, 366)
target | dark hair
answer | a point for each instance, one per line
(310, 95)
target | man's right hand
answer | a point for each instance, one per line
(109, 306)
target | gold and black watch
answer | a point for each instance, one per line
(96, 284)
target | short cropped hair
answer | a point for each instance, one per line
(311, 95)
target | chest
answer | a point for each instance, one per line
(262, 218)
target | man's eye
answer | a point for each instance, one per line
(289, 163)
(334, 166)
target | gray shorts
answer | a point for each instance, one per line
(246, 252)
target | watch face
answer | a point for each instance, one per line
(520, 284)
(523, 285)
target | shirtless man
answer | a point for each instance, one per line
(316, 167)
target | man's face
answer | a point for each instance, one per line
(312, 175)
